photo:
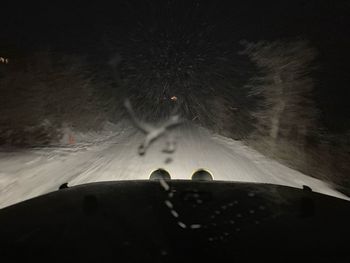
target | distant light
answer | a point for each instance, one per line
(173, 98)
(4, 60)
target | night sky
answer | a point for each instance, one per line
(96, 29)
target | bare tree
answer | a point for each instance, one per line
(42, 91)
(287, 110)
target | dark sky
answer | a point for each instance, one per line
(86, 27)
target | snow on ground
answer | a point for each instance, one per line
(113, 155)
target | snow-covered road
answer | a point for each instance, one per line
(30, 173)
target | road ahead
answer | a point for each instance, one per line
(114, 156)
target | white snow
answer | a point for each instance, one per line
(113, 155)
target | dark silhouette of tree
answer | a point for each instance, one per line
(42, 92)
(284, 85)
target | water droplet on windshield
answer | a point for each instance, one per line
(181, 224)
(164, 184)
(174, 213)
(168, 204)
(262, 207)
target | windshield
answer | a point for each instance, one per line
(238, 92)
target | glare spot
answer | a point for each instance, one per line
(195, 226)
